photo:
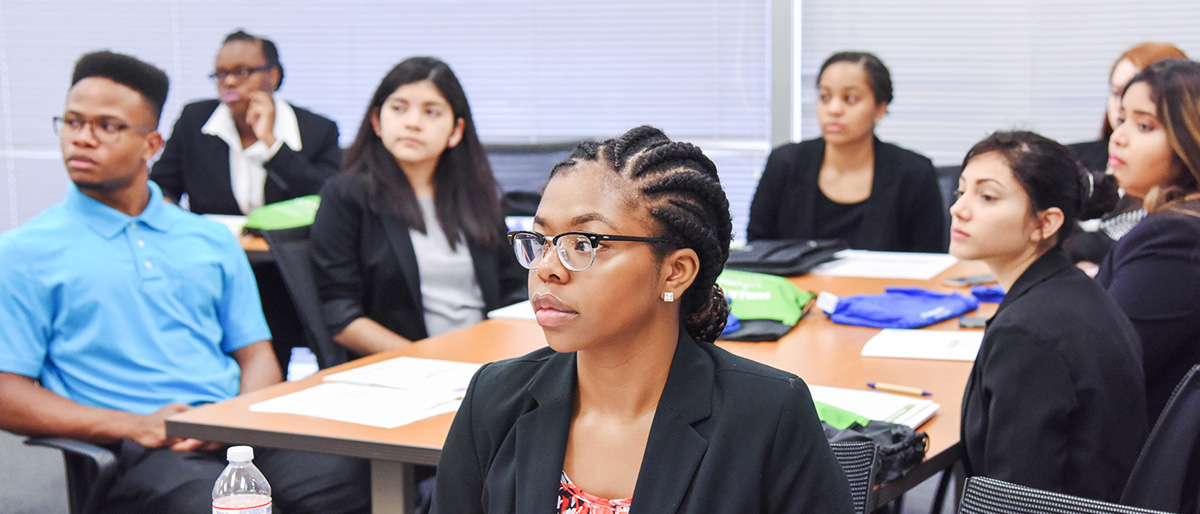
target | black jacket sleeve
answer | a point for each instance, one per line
(804, 476)
(335, 237)
(167, 171)
(460, 480)
(298, 175)
(768, 197)
(1031, 403)
(926, 212)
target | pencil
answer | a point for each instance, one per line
(893, 388)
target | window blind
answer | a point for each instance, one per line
(964, 69)
(534, 71)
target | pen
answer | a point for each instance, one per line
(882, 386)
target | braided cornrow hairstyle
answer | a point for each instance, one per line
(681, 190)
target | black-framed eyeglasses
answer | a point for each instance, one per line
(105, 130)
(576, 250)
(239, 73)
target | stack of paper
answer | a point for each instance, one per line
(863, 263)
(952, 345)
(235, 223)
(519, 310)
(892, 408)
(385, 394)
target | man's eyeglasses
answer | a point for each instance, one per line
(576, 250)
(239, 73)
(105, 130)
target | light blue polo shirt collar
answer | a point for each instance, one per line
(109, 222)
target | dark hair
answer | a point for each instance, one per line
(140, 76)
(269, 51)
(1175, 91)
(879, 78)
(1051, 176)
(680, 188)
(465, 194)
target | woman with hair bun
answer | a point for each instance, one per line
(1154, 271)
(847, 184)
(631, 403)
(1056, 397)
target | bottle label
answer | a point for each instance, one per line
(242, 504)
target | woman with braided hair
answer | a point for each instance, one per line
(631, 404)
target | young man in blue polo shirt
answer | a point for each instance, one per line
(127, 310)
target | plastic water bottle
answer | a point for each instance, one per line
(241, 488)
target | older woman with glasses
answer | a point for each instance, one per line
(632, 403)
(248, 147)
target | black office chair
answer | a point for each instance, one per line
(859, 461)
(990, 496)
(1167, 473)
(90, 470)
(526, 167)
(948, 183)
(290, 249)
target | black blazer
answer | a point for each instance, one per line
(198, 164)
(1153, 273)
(365, 265)
(1055, 399)
(904, 212)
(729, 435)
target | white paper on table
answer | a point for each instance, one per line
(877, 405)
(412, 373)
(520, 310)
(235, 223)
(519, 222)
(869, 264)
(947, 345)
(362, 404)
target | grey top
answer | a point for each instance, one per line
(449, 290)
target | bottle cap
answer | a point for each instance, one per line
(240, 454)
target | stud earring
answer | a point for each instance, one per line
(668, 296)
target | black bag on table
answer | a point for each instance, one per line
(784, 257)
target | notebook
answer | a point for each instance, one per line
(893, 408)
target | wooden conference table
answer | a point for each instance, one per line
(817, 350)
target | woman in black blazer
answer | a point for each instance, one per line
(632, 407)
(848, 184)
(1154, 271)
(1055, 399)
(410, 232)
(196, 160)
(1092, 246)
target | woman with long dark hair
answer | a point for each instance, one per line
(1154, 271)
(408, 241)
(1090, 245)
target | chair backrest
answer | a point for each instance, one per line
(90, 470)
(948, 183)
(984, 495)
(1167, 473)
(290, 249)
(858, 461)
(525, 167)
